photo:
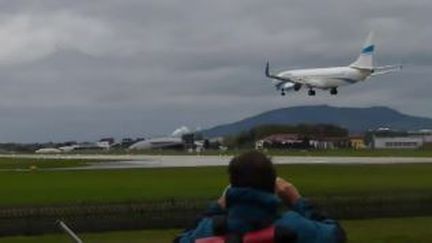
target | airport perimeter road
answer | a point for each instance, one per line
(155, 161)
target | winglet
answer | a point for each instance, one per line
(267, 70)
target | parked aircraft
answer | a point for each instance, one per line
(173, 141)
(333, 77)
(157, 143)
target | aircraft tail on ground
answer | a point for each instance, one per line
(365, 60)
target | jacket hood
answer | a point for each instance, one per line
(250, 209)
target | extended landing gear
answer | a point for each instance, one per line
(311, 92)
(282, 92)
(333, 91)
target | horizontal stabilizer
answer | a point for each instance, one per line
(387, 69)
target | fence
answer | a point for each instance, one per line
(179, 214)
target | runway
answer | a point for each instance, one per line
(167, 161)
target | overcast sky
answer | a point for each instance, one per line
(81, 70)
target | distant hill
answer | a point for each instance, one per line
(354, 119)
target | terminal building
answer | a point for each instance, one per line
(405, 142)
(378, 139)
(296, 141)
(401, 140)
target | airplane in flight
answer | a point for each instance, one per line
(333, 77)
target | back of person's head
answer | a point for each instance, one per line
(254, 170)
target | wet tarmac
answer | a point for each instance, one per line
(161, 161)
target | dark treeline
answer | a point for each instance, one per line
(247, 139)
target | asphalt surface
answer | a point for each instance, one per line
(162, 161)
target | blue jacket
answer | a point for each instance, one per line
(246, 207)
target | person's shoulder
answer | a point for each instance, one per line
(308, 229)
(288, 217)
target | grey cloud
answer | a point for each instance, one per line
(84, 69)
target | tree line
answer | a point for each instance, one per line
(248, 138)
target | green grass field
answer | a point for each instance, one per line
(25, 164)
(137, 185)
(67, 187)
(397, 230)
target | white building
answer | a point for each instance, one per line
(425, 134)
(397, 142)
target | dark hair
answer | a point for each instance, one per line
(254, 170)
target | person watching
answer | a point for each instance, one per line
(248, 210)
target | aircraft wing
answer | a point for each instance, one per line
(386, 69)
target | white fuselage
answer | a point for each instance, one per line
(333, 77)
(326, 78)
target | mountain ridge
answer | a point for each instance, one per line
(354, 119)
